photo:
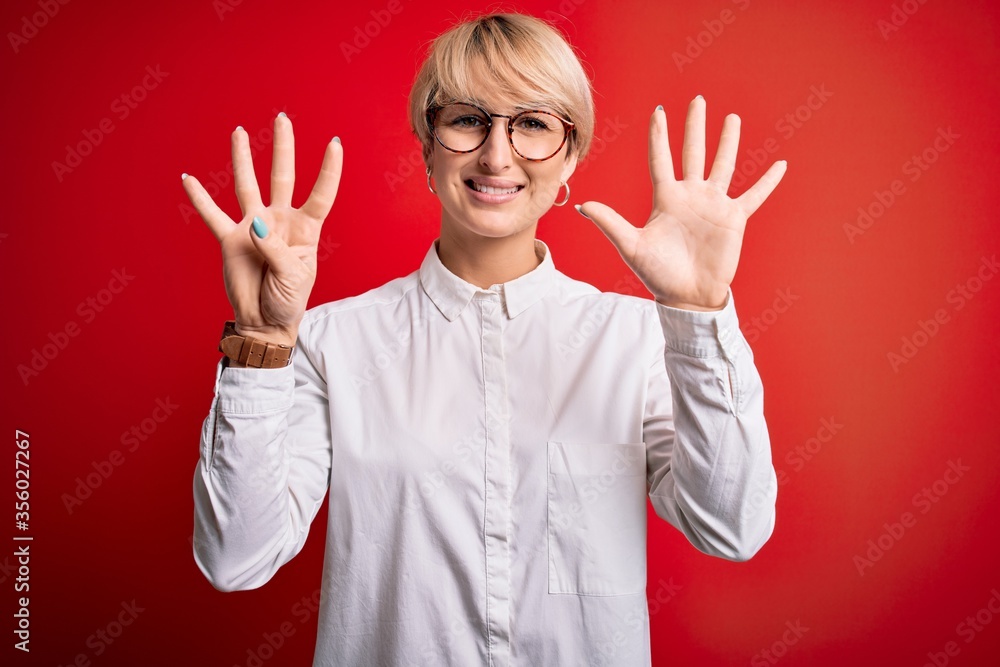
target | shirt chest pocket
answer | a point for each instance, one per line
(596, 518)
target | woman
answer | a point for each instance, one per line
(488, 429)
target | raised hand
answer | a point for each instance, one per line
(269, 257)
(686, 253)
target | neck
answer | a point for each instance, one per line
(484, 261)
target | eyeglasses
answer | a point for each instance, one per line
(533, 134)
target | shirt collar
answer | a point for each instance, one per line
(451, 294)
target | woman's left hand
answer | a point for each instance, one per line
(687, 252)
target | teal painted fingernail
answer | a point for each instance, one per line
(698, 97)
(238, 127)
(282, 115)
(659, 107)
(337, 139)
(183, 176)
(579, 210)
(259, 228)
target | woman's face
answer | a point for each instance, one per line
(519, 190)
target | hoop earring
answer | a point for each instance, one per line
(429, 181)
(566, 198)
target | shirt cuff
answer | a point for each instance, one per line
(253, 390)
(701, 334)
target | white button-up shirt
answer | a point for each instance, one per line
(488, 455)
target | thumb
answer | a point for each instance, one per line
(274, 249)
(619, 231)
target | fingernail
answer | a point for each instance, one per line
(698, 97)
(578, 210)
(337, 139)
(238, 127)
(183, 176)
(259, 228)
(659, 107)
(282, 115)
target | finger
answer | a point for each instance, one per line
(283, 165)
(247, 190)
(693, 155)
(751, 200)
(725, 157)
(218, 222)
(619, 231)
(661, 163)
(321, 198)
(274, 249)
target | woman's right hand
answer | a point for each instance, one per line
(269, 278)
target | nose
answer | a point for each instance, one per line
(496, 155)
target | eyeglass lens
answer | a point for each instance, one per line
(535, 135)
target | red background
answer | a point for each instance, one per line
(825, 357)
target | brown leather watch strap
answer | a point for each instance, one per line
(253, 351)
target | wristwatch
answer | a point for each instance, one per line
(253, 351)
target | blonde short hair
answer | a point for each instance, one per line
(526, 60)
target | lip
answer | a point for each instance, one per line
(493, 183)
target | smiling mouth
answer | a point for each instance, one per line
(485, 189)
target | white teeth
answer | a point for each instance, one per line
(493, 191)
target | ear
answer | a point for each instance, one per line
(568, 167)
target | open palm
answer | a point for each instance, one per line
(268, 279)
(687, 252)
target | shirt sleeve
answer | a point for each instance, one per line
(263, 469)
(709, 457)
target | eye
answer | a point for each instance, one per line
(467, 122)
(535, 123)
